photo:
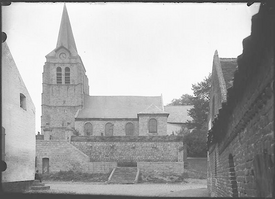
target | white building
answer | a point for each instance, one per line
(18, 126)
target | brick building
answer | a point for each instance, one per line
(18, 127)
(76, 127)
(241, 117)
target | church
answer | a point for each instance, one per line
(66, 103)
(98, 134)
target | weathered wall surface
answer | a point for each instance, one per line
(60, 102)
(102, 156)
(62, 156)
(241, 151)
(132, 151)
(161, 125)
(147, 168)
(19, 123)
(99, 127)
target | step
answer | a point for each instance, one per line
(124, 175)
(40, 187)
(38, 184)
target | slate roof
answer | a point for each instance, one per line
(65, 36)
(229, 66)
(153, 109)
(117, 106)
(178, 114)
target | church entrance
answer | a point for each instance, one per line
(45, 165)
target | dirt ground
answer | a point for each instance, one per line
(190, 188)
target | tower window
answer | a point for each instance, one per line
(23, 101)
(67, 75)
(153, 126)
(58, 75)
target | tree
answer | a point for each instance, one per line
(196, 143)
(185, 99)
(200, 102)
(196, 139)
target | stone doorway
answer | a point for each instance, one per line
(45, 165)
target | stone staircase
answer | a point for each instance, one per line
(124, 175)
(37, 185)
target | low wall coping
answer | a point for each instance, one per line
(126, 139)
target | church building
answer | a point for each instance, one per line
(95, 134)
(66, 103)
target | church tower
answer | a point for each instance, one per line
(64, 84)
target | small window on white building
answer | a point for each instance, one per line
(23, 101)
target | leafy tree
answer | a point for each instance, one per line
(196, 139)
(196, 143)
(200, 102)
(185, 99)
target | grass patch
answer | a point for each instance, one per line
(163, 178)
(76, 176)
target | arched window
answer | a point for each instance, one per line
(153, 126)
(109, 128)
(129, 129)
(232, 175)
(67, 75)
(58, 75)
(88, 129)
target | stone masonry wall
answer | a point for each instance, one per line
(147, 168)
(99, 127)
(132, 151)
(161, 124)
(62, 156)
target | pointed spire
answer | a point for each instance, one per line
(65, 36)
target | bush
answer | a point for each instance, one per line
(196, 143)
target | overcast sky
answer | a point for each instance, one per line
(129, 48)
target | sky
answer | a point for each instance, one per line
(140, 49)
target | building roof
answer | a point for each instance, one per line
(229, 66)
(118, 106)
(153, 109)
(178, 114)
(65, 36)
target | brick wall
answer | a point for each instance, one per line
(241, 149)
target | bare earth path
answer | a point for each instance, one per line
(193, 188)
